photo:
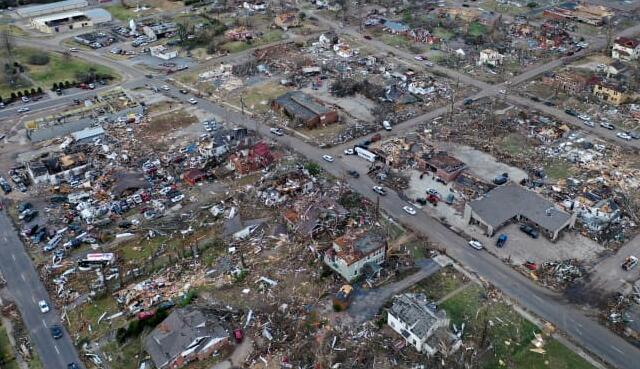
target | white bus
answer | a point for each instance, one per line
(96, 260)
(365, 154)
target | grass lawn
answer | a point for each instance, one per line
(442, 283)
(13, 30)
(515, 143)
(267, 38)
(476, 29)
(504, 335)
(257, 98)
(121, 13)
(6, 353)
(558, 170)
(59, 68)
(88, 314)
(442, 33)
(557, 356)
(395, 40)
(126, 356)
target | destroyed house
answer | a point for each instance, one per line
(512, 202)
(444, 166)
(304, 110)
(351, 253)
(308, 219)
(611, 92)
(193, 176)
(625, 48)
(255, 158)
(415, 318)
(186, 335)
(54, 169)
(287, 20)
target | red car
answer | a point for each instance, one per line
(531, 265)
(238, 335)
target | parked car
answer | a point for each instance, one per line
(630, 262)
(623, 136)
(44, 307)
(328, 158)
(502, 240)
(409, 210)
(183, 91)
(532, 232)
(177, 198)
(571, 112)
(386, 125)
(23, 110)
(501, 179)
(476, 244)
(72, 366)
(379, 190)
(607, 125)
(584, 117)
(193, 101)
(165, 88)
(589, 123)
(349, 152)
(431, 191)
(276, 131)
(25, 99)
(56, 332)
(353, 174)
(467, 101)
(634, 134)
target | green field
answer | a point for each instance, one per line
(7, 359)
(121, 13)
(506, 336)
(60, 68)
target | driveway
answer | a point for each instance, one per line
(367, 303)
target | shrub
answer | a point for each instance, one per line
(38, 59)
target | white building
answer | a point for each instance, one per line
(414, 318)
(70, 20)
(625, 48)
(490, 57)
(57, 7)
(354, 251)
(163, 52)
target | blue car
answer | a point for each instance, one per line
(502, 240)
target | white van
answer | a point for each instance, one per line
(386, 125)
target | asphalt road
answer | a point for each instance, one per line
(26, 288)
(547, 305)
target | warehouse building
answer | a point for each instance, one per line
(512, 202)
(67, 21)
(304, 110)
(57, 7)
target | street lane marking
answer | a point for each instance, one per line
(33, 298)
(13, 256)
(23, 278)
(44, 323)
(617, 349)
(56, 347)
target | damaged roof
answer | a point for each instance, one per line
(300, 105)
(416, 312)
(179, 331)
